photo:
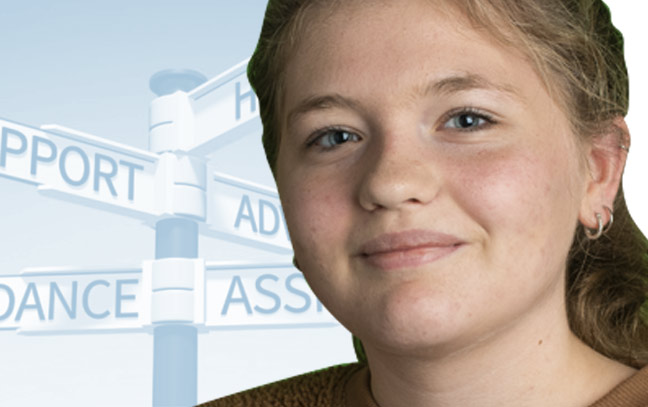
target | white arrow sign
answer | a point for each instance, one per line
(246, 213)
(81, 167)
(63, 300)
(232, 295)
(248, 296)
(224, 109)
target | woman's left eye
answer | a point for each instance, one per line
(468, 120)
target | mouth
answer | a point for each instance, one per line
(408, 249)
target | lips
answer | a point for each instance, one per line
(408, 249)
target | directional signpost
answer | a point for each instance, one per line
(81, 167)
(225, 109)
(246, 213)
(260, 295)
(52, 300)
(172, 188)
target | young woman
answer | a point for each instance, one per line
(450, 175)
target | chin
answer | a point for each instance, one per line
(414, 319)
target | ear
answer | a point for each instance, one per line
(606, 158)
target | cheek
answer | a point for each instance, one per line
(514, 187)
(319, 219)
(316, 211)
(522, 203)
(525, 202)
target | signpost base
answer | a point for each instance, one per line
(175, 365)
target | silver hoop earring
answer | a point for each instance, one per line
(600, 229)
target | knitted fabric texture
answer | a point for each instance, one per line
(322, 388)
(348, 386)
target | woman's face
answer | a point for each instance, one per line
(430, 184)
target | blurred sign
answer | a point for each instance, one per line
(247, 213)
(261, 296)
(68, 300)
(236, 296)
(80, 167)
(224, 108)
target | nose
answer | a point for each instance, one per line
(398, 174)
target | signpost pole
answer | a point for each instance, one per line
(175, 345)
(170, 184)
(175, 337)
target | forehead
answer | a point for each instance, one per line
(364, 47)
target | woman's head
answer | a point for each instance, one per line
(572, 44)
(477, 135)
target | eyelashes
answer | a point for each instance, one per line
(460, 120)
(331, 137)
(467, 119)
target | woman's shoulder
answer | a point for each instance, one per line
(323, 388)
(633, 392)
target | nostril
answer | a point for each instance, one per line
(394, 194)
(397, 172)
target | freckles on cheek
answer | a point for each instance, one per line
(314, 213)
(496, 189)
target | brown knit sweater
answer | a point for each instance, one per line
(348, 386)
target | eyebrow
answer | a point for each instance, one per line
(465, 82)
(322, 102)
(444, 86)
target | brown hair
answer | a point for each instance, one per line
(578, 54)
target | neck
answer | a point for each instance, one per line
(529, 362)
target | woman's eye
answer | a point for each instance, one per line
(468, 121)
(331, 138)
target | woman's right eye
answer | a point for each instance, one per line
(329, 139)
